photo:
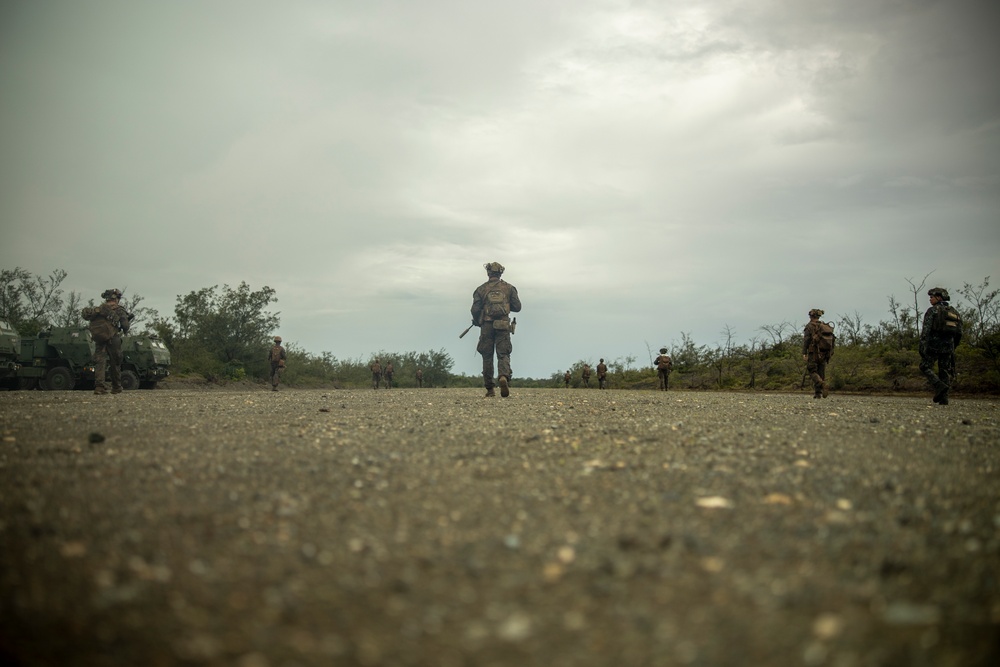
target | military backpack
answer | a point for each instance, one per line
(823, 339)
(497, 302)
(947, 322)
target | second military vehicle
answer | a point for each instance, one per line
(145, 361)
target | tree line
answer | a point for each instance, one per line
(223, 334)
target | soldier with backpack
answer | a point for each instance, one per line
(585, 374)
(818, 343)
(492, 304)
(108, 322)
(663, 365)
(376, 369)
(387, 374)
(276, 357)
(602, 374)
(941, 333)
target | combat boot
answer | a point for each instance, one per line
(100, 391)
(489, 393)
(116, 390)
(504, 387)
(825, 391)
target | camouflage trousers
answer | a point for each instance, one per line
(103, 352)
(816, 366)
(376, 379)
(602, 381)
(944, 358)
(490, 340)
(664, 377)
(276, 374)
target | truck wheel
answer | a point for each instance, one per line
(130, 380)
(27, 384)
(59, 378)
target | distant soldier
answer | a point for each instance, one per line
(663, 365)
(566, 378)
(492, 303)
(387, 374)
(602, 374)
(276, 357)
(420, 379)
(585, 374)
(108, 322)
(818, 343)
(940, 335)
(376, 368)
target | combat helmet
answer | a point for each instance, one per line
(277, 339)
(816, 312)
(939, 292)
(113, 293)
(494, 267)
(663, 350)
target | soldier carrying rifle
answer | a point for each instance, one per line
(492, 304)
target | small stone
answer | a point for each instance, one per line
(95, 438)
(714, 502)
(907, 613)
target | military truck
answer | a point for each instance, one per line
(10, 350)
(145, 361)
(59, 358)
(62, 358)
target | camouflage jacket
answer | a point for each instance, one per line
(106, 320)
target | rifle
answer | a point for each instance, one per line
(513, 325)
(462, 335)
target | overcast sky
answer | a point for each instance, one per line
(640, 168)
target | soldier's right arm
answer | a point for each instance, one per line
(477, 307)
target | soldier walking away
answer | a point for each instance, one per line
(566, 378)
(420, 379)
(107, 324)
(818, 343)
(492, 304)
(585, 374)
(940, 335)
(376, 368)
(602, 374)
(387, 374)
(663, 365)
(276, 357)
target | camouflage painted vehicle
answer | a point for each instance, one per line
(145, 361)
(57, 359)
(10, 350)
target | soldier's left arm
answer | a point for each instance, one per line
(515, 302)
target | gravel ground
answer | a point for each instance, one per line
(556, 527)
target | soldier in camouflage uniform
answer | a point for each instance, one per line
(376, 369)
(566, 378)
(585, 375)
(276, 357)
(387, 374)
(492, 303)
(941, 333)
(420, 379)
(814, 355)
(602, 374)
(107, 324)
(663, 365)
